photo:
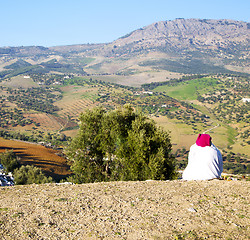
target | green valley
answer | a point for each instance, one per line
(52, 103)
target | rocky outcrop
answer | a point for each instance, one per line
(190, 35)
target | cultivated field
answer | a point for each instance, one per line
(47, 122)
(182, 135)
(39, 156)
(19, 81)
(188, 90)
(138, 78)
(75, 100)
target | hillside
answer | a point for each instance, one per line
(177, 209)
(49, 160)
(186, 46)
(47, 107)
(180, 35)
(168, 69)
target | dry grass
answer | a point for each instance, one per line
(181, 134)
(127, 210)
(20, 81)
(136, 80)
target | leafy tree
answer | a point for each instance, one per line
(9, 160)
(119, 145)
(30, 174)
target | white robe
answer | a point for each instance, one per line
(204, 163)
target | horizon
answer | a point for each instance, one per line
(60, 23)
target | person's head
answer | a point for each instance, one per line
(204, 140)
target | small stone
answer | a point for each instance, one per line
(192, 210)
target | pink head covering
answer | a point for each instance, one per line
(203, 140)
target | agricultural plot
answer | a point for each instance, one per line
(137, 77)
(20, 81)
(75, 100)
(46, 122)
(189, 90)
(39, 156)
(184, 135)
(73, 109)
(180, 133)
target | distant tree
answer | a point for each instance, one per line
(119, 145)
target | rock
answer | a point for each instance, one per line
(192, 210)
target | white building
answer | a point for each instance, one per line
(246, 99)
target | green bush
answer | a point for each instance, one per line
(30, 174)
(119, 145)
(9, 160)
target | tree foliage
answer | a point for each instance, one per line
(119, 145)
(22, 174)
(9, 160)
(30, 174)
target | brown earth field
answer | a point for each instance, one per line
(39, 156)
(157, 210)
(47, 122)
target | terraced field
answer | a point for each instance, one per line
(75, 100)
(47, 122)
(73, 109)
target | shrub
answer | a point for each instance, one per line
(9, 160)
(30, 174)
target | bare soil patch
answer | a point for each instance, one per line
(142, 77)
(177, 209)
(39, 156)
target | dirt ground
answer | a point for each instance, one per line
(216, 209)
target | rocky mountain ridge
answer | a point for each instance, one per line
(210, 42)
(191, 33)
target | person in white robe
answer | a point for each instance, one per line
(204, 160)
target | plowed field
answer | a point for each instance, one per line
(39, 156)
(47, 122)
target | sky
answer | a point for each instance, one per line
(66, 22)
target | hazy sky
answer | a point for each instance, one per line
(66, 22)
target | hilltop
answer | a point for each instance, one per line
(189, 36)
(177, 209)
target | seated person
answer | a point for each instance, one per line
(204, 160)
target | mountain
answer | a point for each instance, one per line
(189, 35)
(182, 45)
(23, 51)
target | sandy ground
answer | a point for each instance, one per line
(156, 210)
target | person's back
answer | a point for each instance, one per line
(204, 160)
